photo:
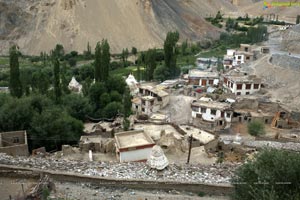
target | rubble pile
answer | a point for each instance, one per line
(135, 170)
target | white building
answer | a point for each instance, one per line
(212, 111)
(240, 83)
(203, 78)
(133, 146)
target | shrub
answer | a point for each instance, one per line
(256, 128)
(273, 174)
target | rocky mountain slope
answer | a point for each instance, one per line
(37, 25)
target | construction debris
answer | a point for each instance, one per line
(130, 170)
(157, 159)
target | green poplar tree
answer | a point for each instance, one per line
(15, 85)
(105, 60)
(57, 85)
(98, 58)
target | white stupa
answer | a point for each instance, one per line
(157, 159)
(132, 84)
(74, 85)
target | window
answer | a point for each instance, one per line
(228, 115)
(231, 85)
(16, 140)
(247, 93)
(211, 82)
(247, 58)
(256, 86)
(159, 99)
(136, 107)
(246, 49)
(239, 57)
(195, 108)
(203, 110)
(198, 115)
(248, 86)
(238, 93)
(239, 86)
(213, 112)
(143, 109)
(225, 80)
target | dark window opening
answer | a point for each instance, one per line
(213, 112)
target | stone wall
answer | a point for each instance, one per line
(17, 150)
(211, 189)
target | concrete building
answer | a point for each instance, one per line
(150, 100)
(203, 78)
(14, 143)
(240, 83)
(215, 113)
(133, 146)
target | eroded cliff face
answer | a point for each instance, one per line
(37, 25)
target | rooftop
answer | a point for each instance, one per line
(148, 98)
(212, 104)
(199, 73)
(156, 90)
(239, 76)
(203, 136)
(130, 139)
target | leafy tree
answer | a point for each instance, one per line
(26, 77)
(134, 50)
(116, 83)
(113, 109)
(126, 124)
(170, 53)
(53, 128)
(88, 53)
(77, 106)
(58, 52)
(115, 96)
(161, 73)
(124, 57)
(104, 100)
(150, 62)
(72, 62)
(86, 87)
(256, 128)
(219, 16)
(96, 90)
(102, 61)
(298, 19)
(16, 114)
(15, 85)
(40, 82)
(273, 174)
(184, 47)
(57, 85)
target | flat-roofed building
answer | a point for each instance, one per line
(133, 146)
(203, 78)
(240, 83)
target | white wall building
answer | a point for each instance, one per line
(133, 146)
(240, 83)
(212, 111)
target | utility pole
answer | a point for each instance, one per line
(190, 148)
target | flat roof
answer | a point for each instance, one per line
(203, 136)
(130, 139)
(212, 104)
(159, 91)
(199, 73)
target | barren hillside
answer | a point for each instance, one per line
(38, 25)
